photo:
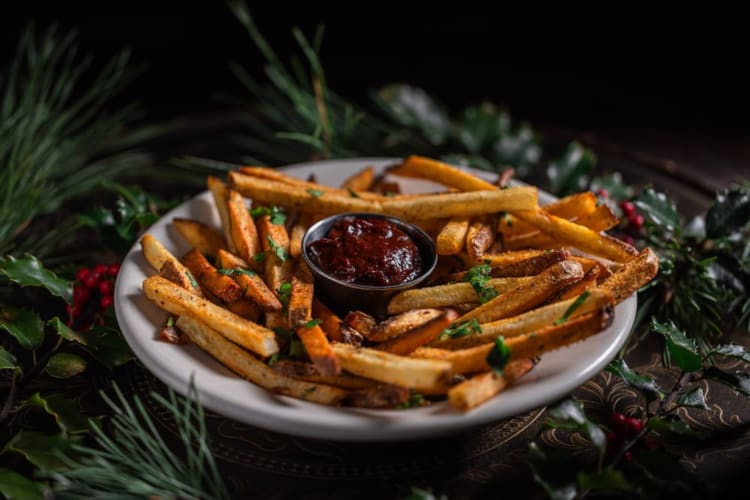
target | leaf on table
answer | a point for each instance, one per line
(672, 425)
(682, 351)
(568, 173)
(108, 347)
(569, 414)
(658, 209)
(64, 410)
(739, 381)
(729, 213)
(644, 383)
(732, 351)
(29, 271)
(44, 450)
(693, 399)
(25, 325)
(14, 486)
(7, 360)
(65, 365)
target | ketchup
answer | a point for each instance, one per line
(367, 251)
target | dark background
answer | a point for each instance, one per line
(665, 81)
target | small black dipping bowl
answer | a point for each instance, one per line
(341, 296)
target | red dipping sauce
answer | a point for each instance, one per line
(367, 251)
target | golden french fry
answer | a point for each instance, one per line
(527, 295)
(395, 326)
(318, 349)
(220, 194)
(379, 396)
(420, 335)
(633, 275)
(505, 259)
(568, 207)
(334, 328)
(360, 181)
(390, 368)
(480, 236)
(245, 308)
(448, 175)
(303, 370)
(452, 236)
(298, 185)
(256, 371)
(243, 230)
(275, 241)
(250, 282)
(208, 277)
(482, 387)
(199, 235)
(299, 309)
(157, 256)
(360, 322)
(573, 290)
(176, 300)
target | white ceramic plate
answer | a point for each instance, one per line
(222, 391)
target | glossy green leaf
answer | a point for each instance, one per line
(682, 351)
(481, 126)
(108, 347)
(64, 410)
(644, 383)
(14, 486)
(732, 351)
(65, 365)
(413, 107)
(729, 213)
(43, 450)
(498, 356)
(671, 425)
(7, 360)
(658, 209)
(29, 271)
(25, 325)
(65, 331)
(609, 480)
(694, 399)
(739, 381)
(569, 413)
(568, 173)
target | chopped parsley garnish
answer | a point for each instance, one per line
(415, 400)
(498, 356)
(235, 271)
(477, 277)
(192, 279)
(170, 322)
(273, 359)
(313, 322)
(571, 309)
(315, 193)
(352, 193)
(284, 292)
(462, 329)
(297, 349)
(277, 216)
(278, 250)
(259, 257)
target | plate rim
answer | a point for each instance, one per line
(384, 425)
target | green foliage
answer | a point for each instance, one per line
(14, 486)
(644, 383)
(568, 173)
(29, 271)
(65, 365)
(23, 324)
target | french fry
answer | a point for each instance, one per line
(395, 326)
(334, 328)
(176, 300)
(297, 232)
(299, 185)
(360, 181)
(447, 295)
(420, 335)
(360, 322)
(633, 275)
(480, 236)
(275, 242)
(505, 259)
(301, 296)
(243, 230)
(390, 368)
(157, 256)
(220, 194)
(250, 282)
(452, 237)
(529, 321)
(379, 396)
(245, 308)
(303, 370)
(318, 349)
(480, 388)
(199, 235)
(587, 263)
(218, 284)
(256, 371)
(527, 295)
(448, 175)
(573, 290)
(581, 237)
(568, 207)
(550, 338)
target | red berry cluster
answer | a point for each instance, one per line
(623, 429)
(93, 294)
(634, 220)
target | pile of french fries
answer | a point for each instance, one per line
(538, 278)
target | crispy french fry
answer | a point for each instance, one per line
(243, 230)
(581, 237)
(333, 326)
(505, 259)
(447, 295)
(571, 206)
(480, 388)
(199, 235)
(301, 296)
(390, 368)
(360, 181)
(527, 295)
(220, 194)
(448, 175)
(420, 335)
(275, 241)
(360, 322)
(573, 290)
(303, 370)
(633, 275)
(529, 321)
(245, 308)
(157, 256)
(452, 236)
(480, 236)
(251, 368)
(379, 396)
(395, 326)
(301, 185)
(208, 277)
(176, 300)
(318, 349)
(587, 263)
(250, 282)
(297, 232)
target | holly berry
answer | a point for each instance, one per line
(602, 193)
(81, 295)
(113, 269)
(627, 456)
(106, 302)
(637, 222)
(633, 426)
(627, 208)
(82, 273)
(100, 269)
(106, 287)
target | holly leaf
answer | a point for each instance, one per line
(672, 425)
(64, 410)
(606, 480)
(614, 185)
(413, 107)
(644, 383)
(29, 271)
(519, 148)
(658, 209)
(25, 325)
(693, 399)
(65, 365)
(732, 351)
(739, 381)
(14, 486)
(569, 414)
(108, 347)
(729, 213)
(481, 126)
(554, 471)
(65, 331)
(43, 450)
(682, 351)
(7, 360)
(568, 172)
